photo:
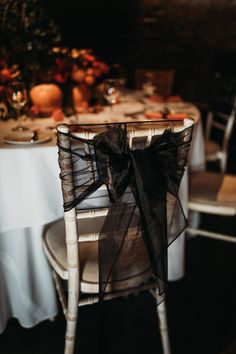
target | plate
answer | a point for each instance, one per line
(26, 138)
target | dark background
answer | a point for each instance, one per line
(195, 37)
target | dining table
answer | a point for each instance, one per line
(31, 199)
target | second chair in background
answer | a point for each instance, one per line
(220, 120)
(221, 124)
(212, 194)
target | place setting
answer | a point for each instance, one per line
(28, 137)
(22, 133)
(154, 106)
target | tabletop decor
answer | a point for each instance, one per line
(79, 71)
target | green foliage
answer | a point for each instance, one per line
(28, 33)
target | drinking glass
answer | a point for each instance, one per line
(111, 92)
(119, 73)
(17, 96)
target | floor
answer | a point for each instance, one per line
(201, 310)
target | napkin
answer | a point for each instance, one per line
(154, 115)
(171, 116)
(177, 116)
(161, 99)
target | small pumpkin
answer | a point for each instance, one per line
(46, 97)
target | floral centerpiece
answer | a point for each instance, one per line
(7, 74)
(80, 71)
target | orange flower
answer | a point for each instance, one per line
(89, 71)
(89, 79)
(77, 74)
(5, 75)
(89, 57)
(74, 53)
(58, 115)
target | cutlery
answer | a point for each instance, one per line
(35, 136)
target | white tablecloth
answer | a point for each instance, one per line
(31, 198)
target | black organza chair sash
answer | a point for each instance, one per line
(142, 181)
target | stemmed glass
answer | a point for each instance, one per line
(17, 96)
(111, 92)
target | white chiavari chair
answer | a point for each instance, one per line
(71, 244)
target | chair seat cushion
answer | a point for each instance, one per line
(227, 192)
(132, 265)
(206, 186)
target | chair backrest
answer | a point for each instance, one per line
(78, 164)
(161, 79)
(222, 94)
(91, 156)
(221, 122)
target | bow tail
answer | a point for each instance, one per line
(150, 194)
(112, 237)
(177, 221)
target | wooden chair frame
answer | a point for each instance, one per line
(72, 272)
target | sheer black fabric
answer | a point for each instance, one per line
(141, 180)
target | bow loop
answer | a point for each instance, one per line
(113, 161)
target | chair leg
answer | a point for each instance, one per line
(72, 311)
(70, 335)
(60, 292)
(161, 311)
(223, 163)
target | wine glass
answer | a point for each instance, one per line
(17, 96)
(111, 92)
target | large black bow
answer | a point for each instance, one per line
(153, 175)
